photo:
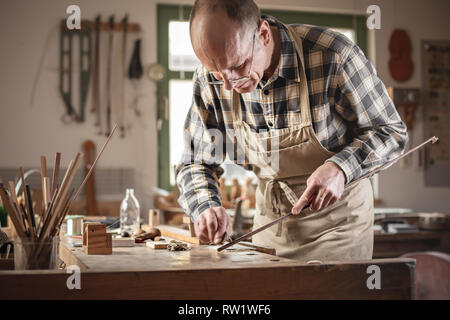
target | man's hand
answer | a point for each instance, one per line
(212, 224)
(324, 187)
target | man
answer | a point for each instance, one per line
(315, 94)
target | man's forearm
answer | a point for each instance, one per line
(198, 188)
(371, 149)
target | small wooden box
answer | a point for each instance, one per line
(95, 239)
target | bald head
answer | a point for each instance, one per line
(243, 12)
(218, 40)
(231, 41)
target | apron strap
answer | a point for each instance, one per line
(236, 106)
(269, 196)
(304, 92)
(268, 193)
(304, 95)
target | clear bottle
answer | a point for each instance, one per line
(129, 213)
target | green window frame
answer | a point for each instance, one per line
(167, 13)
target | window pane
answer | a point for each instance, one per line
(180, 97)
(181, 54)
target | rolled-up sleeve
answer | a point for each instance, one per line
(199, 170)
(378, 132)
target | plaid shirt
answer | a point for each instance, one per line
(351, 111)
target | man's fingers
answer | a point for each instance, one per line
(305, 198)
(327, 200)
(222, 220)
(318, 200)
(211, 225)
(200, 230)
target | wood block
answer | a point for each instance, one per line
(95, 226)
(178, 234)
(188, 221)
(95, 239)
(105, 250)
(122, 242)
(109, 240)
(156, 244)
(154, 217)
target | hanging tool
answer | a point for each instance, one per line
(135, 72)
(122, 75)
(89, 151)
(66, 45)
(109, 75)
(371, 173)
(96, 74)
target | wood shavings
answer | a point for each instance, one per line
(174, 245)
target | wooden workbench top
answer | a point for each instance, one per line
(189, 275)
(203, 273)
(142, 258)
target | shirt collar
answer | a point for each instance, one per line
(288, 64)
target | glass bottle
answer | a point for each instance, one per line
(129, 213)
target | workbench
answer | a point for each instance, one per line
(203, 273)
(387, 245)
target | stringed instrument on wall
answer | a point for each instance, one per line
(400, 64)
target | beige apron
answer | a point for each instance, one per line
(342, 231)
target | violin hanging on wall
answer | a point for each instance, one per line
(400, 63)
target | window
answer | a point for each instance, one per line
(181, 54)
(180, 97)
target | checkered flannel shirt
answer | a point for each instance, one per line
(351, 111)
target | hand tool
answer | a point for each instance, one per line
(30, 204)
(135, 72)
(65, 74)
(371, 173)
(44, 188)
(55, 177)
(109, 75)
(154, 232)
(96, 75)
(122, 75)
(237, 220)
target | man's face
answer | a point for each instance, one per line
(232, 54)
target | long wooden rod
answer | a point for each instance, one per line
(264, 227)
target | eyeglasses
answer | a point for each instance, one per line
(243, 79)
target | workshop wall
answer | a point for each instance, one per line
(33, 128)
(30, 129)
